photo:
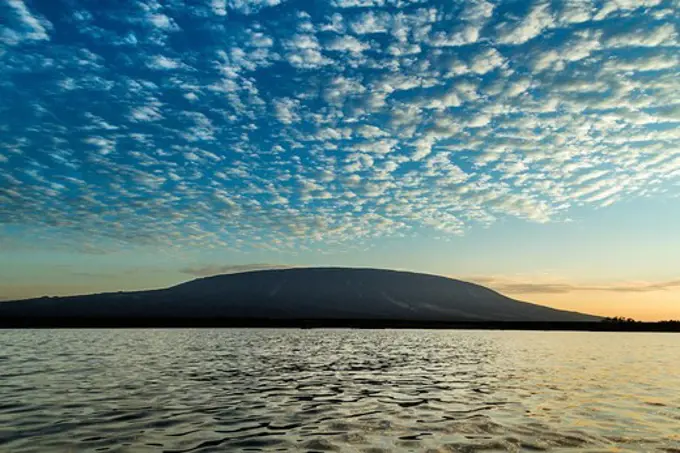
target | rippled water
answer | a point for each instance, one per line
(344, 390)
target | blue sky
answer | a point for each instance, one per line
(516, 143)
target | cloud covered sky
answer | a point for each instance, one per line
(245, 131)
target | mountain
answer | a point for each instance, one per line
(301, 293)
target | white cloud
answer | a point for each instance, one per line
(444, 100)
(384, 146)
(304, 52)
(474, 17)
(347, 44)
(370, 23)
(304, 42)
(611, 7)
(340, 88)
(32, 27)
(642, 63)
(146, 113)
(307, 59)
(518, 87)
(671, 112)
(162, 22)
(163, 63)
(200, 128)
(575, 11)
(536, 21)
(477, 10)
(219, 7)
(368, 131)
(486, 61)
(423, 147)
(286, 110)
(661, 35)
(469, 34)
(580, 46)
(105, 146)
(260, 40)
(358, 3)
(251, 6)
(478, 120)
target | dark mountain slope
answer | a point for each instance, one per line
(302, 293)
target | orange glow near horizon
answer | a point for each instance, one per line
(642, 306)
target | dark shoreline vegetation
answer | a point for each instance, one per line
(606, 325)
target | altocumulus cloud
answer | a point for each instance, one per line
(298, 125)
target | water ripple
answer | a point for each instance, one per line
(337, 390)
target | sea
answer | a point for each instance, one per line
(217, 390)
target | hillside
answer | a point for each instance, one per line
(302, 293)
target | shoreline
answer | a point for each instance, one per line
(148, 322)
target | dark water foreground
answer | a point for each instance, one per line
(338, 390)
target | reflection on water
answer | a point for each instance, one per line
(342, 390)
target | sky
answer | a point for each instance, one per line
(533, 147)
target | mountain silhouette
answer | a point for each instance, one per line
(302, 293)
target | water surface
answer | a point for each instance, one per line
(338, 390)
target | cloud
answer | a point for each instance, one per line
(476, 11)
(644, 36)
(162, 21)
(532, 25)
(575, 11)
(486, 61)
(371, 23)
(578, 47)
(473, 17)
(347, 44)
(368, 131)
(304, 52)
(296, 129)
(28, 26)
(144, 113)
(285, 110)
(514, 286)
(251, 6)
(217, 269)
(104, 145)
(219, 7)
(340, 88)
(643, 63)
(163, 63)
(622, 7)
(358, 3)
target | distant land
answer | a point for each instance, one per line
(300, 297)
(302, 293)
